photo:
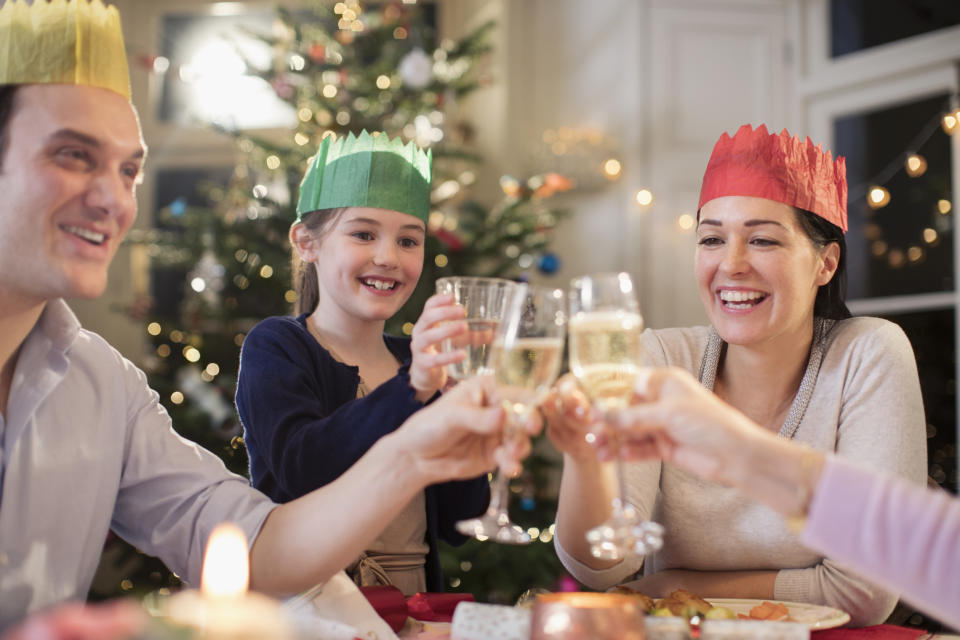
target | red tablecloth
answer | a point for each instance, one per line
(431, 607)
(878, 632)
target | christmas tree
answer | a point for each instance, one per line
(340, 69)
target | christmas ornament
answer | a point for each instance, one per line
(511, 186)
(549, 184)
(205, 396)
(416, 69)
(178, 207)
(451, 240)
(317, 52)
(282, 88)
(206, 278)
(549, 263)
(581, 155)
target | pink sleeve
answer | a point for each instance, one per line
(901, 535)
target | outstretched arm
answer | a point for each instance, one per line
(307, 540)
(588, 486)
(887, 528)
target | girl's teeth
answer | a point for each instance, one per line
(380, 284)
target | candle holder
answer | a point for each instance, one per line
(599, 616)
(223, 608)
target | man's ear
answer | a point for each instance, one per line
(304, 242)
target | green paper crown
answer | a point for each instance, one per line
(369, 170)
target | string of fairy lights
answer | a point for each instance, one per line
(872, 195)
(876, 195)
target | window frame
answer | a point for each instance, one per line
(875, 78)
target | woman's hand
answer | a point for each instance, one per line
(674, 418)
(461, 434)
(437, 323)
(571, 421)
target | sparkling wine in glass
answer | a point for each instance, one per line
(485, 301)
(525, 360)
(605, 356)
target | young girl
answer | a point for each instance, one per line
(316, 391)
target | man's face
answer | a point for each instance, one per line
(67, 190)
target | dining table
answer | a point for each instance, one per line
(442, 631)
(429, 617)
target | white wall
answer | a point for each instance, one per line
(663, 79)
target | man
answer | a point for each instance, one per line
(86, 446)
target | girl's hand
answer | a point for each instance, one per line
(438, 322)
(569, 419)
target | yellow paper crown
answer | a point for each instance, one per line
(63, 42)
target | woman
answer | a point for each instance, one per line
(902, 535)
(783, 349)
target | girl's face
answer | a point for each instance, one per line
(757, 271)
(368, 262)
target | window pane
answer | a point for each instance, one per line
(861, 24)
(178, 189)
(932, 335)
(905, 247)
(209, 77)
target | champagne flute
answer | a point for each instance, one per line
(525, 360)
(605, 356)
(484, 300)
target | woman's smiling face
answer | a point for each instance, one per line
(757, 270)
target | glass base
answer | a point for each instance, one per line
(494, 526)
(624, 534)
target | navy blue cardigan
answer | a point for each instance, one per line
(304, 425)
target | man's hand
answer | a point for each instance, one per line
(461, 434)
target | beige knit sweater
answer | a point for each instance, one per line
(863, 401)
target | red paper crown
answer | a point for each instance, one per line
(780, 168)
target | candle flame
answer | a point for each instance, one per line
(226, 564)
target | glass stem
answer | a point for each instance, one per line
(500, 489)
(499, 493)
(620, 502)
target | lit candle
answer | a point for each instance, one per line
(223, 608)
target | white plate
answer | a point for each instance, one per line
(813, 615)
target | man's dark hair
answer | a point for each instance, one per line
(831, 297)
(8, 104)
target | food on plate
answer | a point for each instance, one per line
(720, 613)
(646, 602)
(683, 603)
(768, 611)
(679, 603)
